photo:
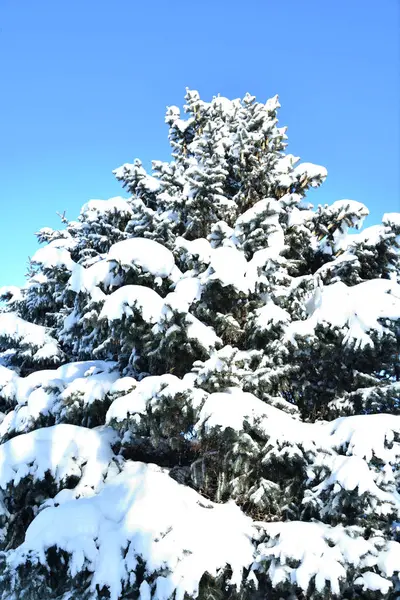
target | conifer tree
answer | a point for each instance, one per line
(199, 383)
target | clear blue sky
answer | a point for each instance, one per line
(85, 83)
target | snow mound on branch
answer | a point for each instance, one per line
(229, 266)
(146, 393)
(147, 254)
(370, 236)
(86, 280)
(95, 210)
(366, 435)
(151, 256)
(269, 314)
(143, 513)
(200, 248)
(362, 436)
(54, 392)
(345, 307)
(302, 553)
(6, 375)
(189, 290)
(121, 303)
(62, 451)
(203, 334)
(316, 174)
(51, 257)
(391, 219)
(269, 206)
(37, 342)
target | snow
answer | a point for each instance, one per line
(229, 266)
(150, 183)
(182, 124)
(370, 236)
(391, 219)
(86, 280)
(203, 334)
(90, 389)
(272, 104)
(145, 394)
(95, 210)
(298, 217)
(270, 313)
(313, 173)
(189, 289)
(122, 302)
(372, 581)
(224, 410)
(267, 207)
(61, 450)
(344, 307)
(321, 553)
(365, 436)
(147, 254)
(353, 472)
(123, 385)
(51, 257)
(6, 376)
(142, 512)
(19, 331)
(345, 207)
(54, 392)
(151, 256)
(13, 291)
(200, 247)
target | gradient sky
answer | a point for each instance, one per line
(85, 83)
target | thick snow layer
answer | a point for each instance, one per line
(203, 334)
(95, 210)
(374, 582)
(229, 267)
(62, 450)
(266, 207)
(345, 307)
(87, 280)
(366, 436)
(146, 395)
(314, 173)
(270, 314)
(301, 553)
(35, 337)
(151, 256)
(391, 219)
(224, 410)
(298, 217)
(51, 257)
(370, 236)
(200, 248)
(6, 375)
(142, 512)
(54, 392)
(362, 436)
(356, 211)
(232, 408)
(189, 290)
(12, 291)
(122, 302)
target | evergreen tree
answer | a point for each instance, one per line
(200, 383)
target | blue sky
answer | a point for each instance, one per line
(85, 85)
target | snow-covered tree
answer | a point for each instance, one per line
(200, 384)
